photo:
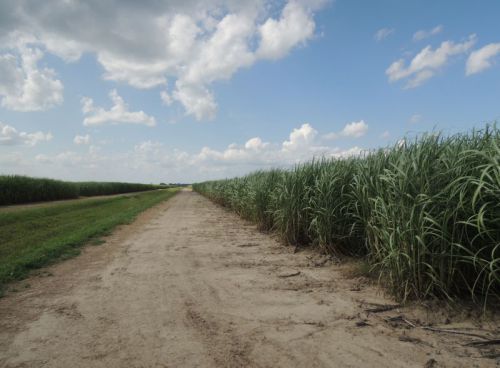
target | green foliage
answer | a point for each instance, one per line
(31, 238)
(22, 189)
(424, 213)
(105, 188)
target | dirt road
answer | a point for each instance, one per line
(191, 285)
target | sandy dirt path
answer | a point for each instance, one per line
(189, 284)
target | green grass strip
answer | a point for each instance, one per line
(32, 238)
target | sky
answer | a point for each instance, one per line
(186, 91)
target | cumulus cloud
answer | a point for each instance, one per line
(278, 37)
(10, 136)
(300, 138)
(427, 62)
(383, 33)
(166, 98)
(118, 113)
(26, 87)
(426, 33)
(353, 151)
(141, 75)
(302, 145)
(154, 161)
(356, 129)
(82, 139)
(224, 52)
(191, 43)
(196, 99)
(255, 144)
(481, 59)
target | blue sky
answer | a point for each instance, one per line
(245, 86)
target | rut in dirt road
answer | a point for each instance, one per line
(191, 285)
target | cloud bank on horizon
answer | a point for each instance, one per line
(151, 158)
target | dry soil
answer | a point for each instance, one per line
(189, 284)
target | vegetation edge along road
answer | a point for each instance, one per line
(17, 189)
(23, 206)
(425, 213)
(34, 237)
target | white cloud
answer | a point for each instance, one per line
(383, 33)
(356, 129)
(147, 147)
(182, 35)
(26, 87)
(82, 139)
(423, 33)
(153, 161)
(141, 75)
(67, 49)
(196, 99)
(166, 98)
(302, 145)
(118, 114)
(255, 144)
(190, 43)
(427, 62)
(300, 138)
(9, 136)
(278, 37)
(480, 60)
(353, 151)
(226, 51)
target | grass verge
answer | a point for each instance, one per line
(32, 238)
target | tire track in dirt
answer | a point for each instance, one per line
(189, 284)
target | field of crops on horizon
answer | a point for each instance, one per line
(16, 189)
(424, 213)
